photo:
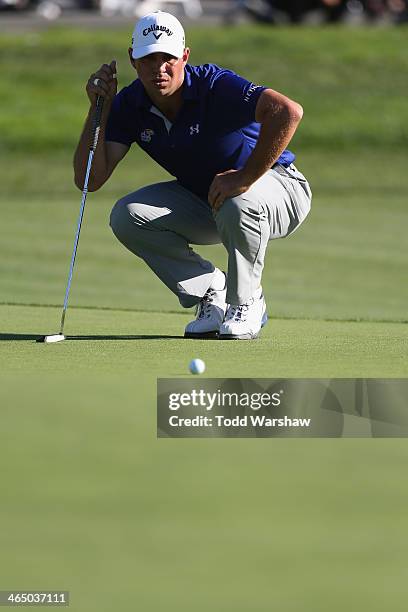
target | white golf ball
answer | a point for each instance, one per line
(197, 366)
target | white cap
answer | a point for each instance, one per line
(158, 32)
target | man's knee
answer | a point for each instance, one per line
(119, 218)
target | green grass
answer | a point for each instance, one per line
(351, 82)
(91, 501)
(106, 341)
(94, 504)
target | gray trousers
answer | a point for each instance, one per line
(159, 222)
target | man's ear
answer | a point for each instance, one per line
(132, 61)
(186, 54)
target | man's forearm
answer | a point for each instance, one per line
(276, 132)
(99, 164)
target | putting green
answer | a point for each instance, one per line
(151, 345)
(93, 503)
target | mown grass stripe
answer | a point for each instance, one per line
(178, 312)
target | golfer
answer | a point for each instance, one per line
(224, 140)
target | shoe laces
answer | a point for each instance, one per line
(205, 304)
(238, 313)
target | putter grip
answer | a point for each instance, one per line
(96, 126)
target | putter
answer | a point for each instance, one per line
(94, 141)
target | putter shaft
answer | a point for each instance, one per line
(94, 141)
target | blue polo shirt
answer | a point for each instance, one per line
(214, 131)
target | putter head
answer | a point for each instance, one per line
(52, 338)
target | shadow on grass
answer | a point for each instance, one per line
(6, 337)
(141, 337)
(18, 336)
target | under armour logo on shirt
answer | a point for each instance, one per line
(194, 129)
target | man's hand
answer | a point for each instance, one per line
(103, 83)
(226, 185)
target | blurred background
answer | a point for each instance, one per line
(265, 11)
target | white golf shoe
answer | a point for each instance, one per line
(210, 310)
(244, 322)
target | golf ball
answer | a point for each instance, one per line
(197, 366)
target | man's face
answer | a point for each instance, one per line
(161, 74)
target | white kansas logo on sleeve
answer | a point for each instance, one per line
(146, 135)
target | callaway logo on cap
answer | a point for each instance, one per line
(158, 32)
